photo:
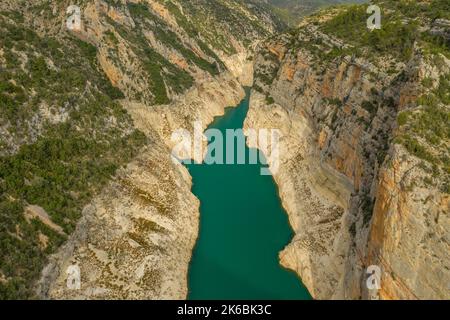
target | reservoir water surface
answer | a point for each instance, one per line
(243, 227)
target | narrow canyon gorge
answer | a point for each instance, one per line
(363, 155)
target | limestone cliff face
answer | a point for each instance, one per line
(355, 195)
(188, 40)
(118, 85)
(200, 104)
(152, 52)
(315, 253)
(409, 233)
(135, 239)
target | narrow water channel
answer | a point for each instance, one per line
(243, 227)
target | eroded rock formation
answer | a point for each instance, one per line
(356, 193)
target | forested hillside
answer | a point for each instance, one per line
(292, 11)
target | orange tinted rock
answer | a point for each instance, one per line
(322, 138)
(110, 70)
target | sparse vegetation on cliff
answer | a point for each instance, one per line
(425, 131)
(81, 142)
(64, 135)
(394, 38)
(377, 104)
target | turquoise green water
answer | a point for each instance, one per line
(242, 229)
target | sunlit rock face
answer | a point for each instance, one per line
(113, 79)
(356, 191)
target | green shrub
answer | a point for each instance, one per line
(269, 100)
(403, 118)
(394, 37)
(335, 101)
(369, 106)
(427, 82)
(416, 149)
